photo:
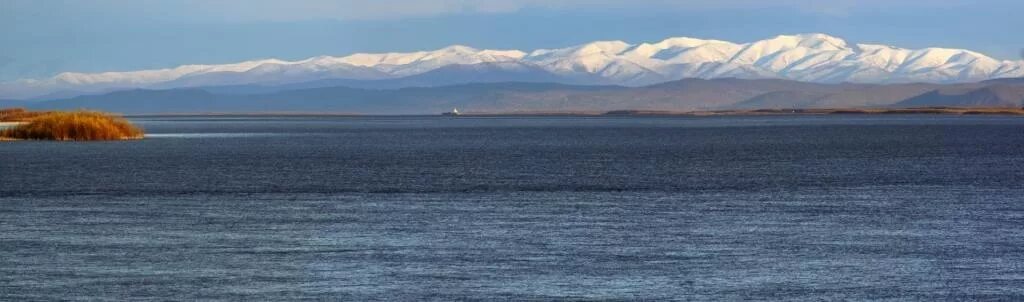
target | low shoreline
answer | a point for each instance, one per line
(854, 111)
(751, 112)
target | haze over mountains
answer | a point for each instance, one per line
(816, 58)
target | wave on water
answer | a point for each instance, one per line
(212, 135)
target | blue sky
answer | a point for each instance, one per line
(42, 38)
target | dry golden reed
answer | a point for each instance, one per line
(74, 126)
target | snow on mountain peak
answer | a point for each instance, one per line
(805, 57)
(686, 42)
(606, 47)
(816, 41)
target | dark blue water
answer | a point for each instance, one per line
(431, 208)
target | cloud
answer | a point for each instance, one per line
(361, 9)
(299, 10)
(273, 10)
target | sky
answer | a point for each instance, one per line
(42, 38)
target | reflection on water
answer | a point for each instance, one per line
(210, 135)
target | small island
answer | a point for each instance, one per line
(79, 125)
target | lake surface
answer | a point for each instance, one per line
(430, 208)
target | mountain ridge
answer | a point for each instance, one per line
(691, 94)
(817, 58)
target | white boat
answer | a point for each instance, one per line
(454, 112)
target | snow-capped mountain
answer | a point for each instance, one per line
(809, 57)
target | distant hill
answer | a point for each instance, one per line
(681, 95)
(992, 95)
(13, 103)
(1012, 81)
(443, 76)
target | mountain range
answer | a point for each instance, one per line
(809, 58)
(522, 97)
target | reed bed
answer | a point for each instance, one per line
(74, 126)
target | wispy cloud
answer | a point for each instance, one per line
(298, 10)
(391, 9)
(388, 9)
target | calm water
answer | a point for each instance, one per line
(414, 208)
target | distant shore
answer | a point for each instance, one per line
(928, 110)
(750, 112)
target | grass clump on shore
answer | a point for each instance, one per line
(74, 126)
